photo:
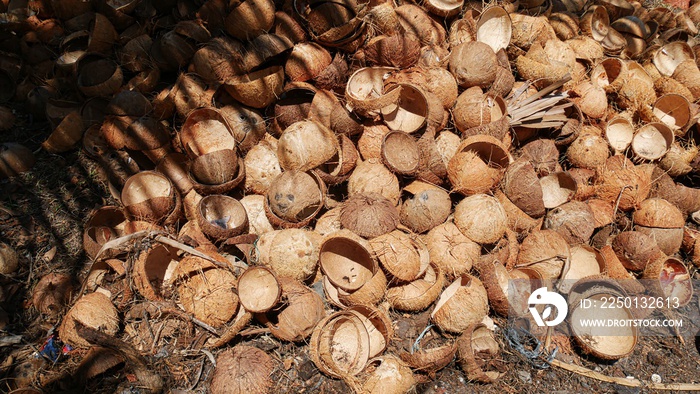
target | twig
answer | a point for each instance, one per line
(629, 382)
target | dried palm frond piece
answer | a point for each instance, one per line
(542, 110)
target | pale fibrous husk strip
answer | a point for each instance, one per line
(541, 110)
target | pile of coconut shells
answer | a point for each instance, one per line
(307, 168)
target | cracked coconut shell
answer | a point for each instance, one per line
(295, 320)
(419, 294)
(427, 207)
(242, 369)
(461, 304)
(403, 256)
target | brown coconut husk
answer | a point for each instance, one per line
(588, 151)
(347, 260)
(102, 225)
(677, 161)
(415, 21)
(221, 217)
(262, 167)
(257, 89)
(153, 271)
(243, 369)
(369, 215)
(544, 251)
(295, 320)
(478, 353)
(427, 207)
(419, 294)
(619, 133)
(494, 276)
(400, 51)
(404, 257)
(585, 183)
(370, 176)
(339, 345)
(557, 189)
(478, 165)
(293, 253)
(522, 187)
(518, 220)
(149, 196)
(365, 92)
(614, 269)
(463, 58)
(294, 198)
(250, 18)
(52, 293)
(205, 131)
(400, 153)
(434, 354)
(451, 250)
(258, 222)
(476, 113)
(585, 262)
(574, 221)
(305, 145)
(603, 211)
(388, 374)
(636, 250)
(639, 89)
(623, 183)
(544, 156)
(481, 218)
(174, 166)
(652, 141)
(461, 304)
(368, 295)
(94, 310)
(669, 240)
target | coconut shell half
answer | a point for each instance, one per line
(461, 304)
(369, 215)
(258, 289)
(94, 310)
(347, 260)
(242, 370)
(478, 353)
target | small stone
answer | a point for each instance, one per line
(656, 378)
(525, 376)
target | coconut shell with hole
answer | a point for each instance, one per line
(403, 256)
(473, 64)
(461, 304)
(478, 353)
(205, 291)
(52, 293)
(419, 294)
(574, 221)
(347, 260)
(94, 310)
(636, 250)
(242, 370)
(295, 320)
(620, 180)
(221, 217)
(368, 295)
(388, 375)
(588, 151)
(365, 92)
(294, 197)
(427, 207)
(481, 218)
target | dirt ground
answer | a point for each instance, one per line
(42, 214)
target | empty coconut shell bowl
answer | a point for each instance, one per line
(349, 196)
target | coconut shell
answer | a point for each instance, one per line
(368, 295)
(305, 145)
(639, 89)
(477, 348)
(494, 276)
(657, 212)
(415, 21)
(430, 360)
(242, 369)
(262, 168)
(369, 215)
(473, 64)
(419, 294)
(294, 197)
(544, 156)
(478, 165)
(603, 212)
(652, 141)
(339, 345)
(426, 208)
(221, 217)
(250, 18)
(619, 133)
(365, 92)
(461, 304)
(521, 185)
(400, 153)
(257, 220)
(153, 272)
(207, 294)
(635, 250)
(295, 320)
(369, 177)
(622, 181)
(518, 220)
(347, 260)
(588, 151)
(574, 221)
(94, 310)
(669, 240)
(544, 250)
(404, 257)
(400, 51)
(257, 89)
(388, 374)
(52, 293)
(148, 196)
(481, 218)
(293, 253)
